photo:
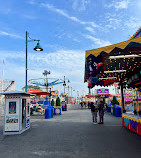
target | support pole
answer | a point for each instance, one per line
(122, 97)
(26, 64)
(64, 84)
(89, 91)
(46, 87)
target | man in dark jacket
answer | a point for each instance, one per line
(89, 104)
(101, 112)
(81, 103)
(94, 112)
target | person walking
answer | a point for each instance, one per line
(81, 103)
(89, 105)
(85, 104)
(94, 113)
(101, 113)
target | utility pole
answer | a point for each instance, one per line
(64, 84)
(122, 97)
(89, 90)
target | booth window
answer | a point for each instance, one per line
(28, 108)
(12, 107)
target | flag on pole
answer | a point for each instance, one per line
(3, 62)
(2, 74)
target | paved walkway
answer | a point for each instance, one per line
(72, 135)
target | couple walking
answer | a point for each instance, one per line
(94, 109)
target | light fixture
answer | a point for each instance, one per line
(38, 47)
(108, 78)
(68, 81)
(114, 71)
(124, 56)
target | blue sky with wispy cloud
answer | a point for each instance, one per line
(66, 29)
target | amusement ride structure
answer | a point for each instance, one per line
(46, 82)
(5, 85)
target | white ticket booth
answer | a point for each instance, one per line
(17, 112)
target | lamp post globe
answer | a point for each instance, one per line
(38, 47)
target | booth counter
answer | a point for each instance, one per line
(132, 122)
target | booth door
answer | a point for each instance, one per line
(23, 113)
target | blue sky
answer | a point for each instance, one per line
(66, 29)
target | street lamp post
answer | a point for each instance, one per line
(50, 97)
(77, 94)
(64, 84)
(37, 48)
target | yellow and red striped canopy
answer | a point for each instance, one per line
(109, 48)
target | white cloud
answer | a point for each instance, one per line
(113, 23)
(99, 42)
(33, 2)
(90, 29)
(69, 63)
(3, 33)
(80, 5)
(132, 23)
(63, 13)
(76, 40)
(30, 17)
(123, 4)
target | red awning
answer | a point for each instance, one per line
(116, 95)
(38, 92)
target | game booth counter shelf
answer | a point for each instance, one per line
(16, 113)
(132, 120)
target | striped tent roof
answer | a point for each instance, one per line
(109, 48)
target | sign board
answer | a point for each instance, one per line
(11, 123)
(57, 111)
(102, 91)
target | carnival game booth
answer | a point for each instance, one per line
(17, 112)
(119, 63)
(132, 120)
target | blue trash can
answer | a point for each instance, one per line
(52, 110)
(47, 113)
(64, 107)
(118, 111)
(109, 108)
